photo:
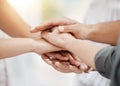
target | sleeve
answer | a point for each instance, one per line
(104, 60)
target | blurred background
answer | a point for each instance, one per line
(29, 69)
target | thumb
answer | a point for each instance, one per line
(66, 29)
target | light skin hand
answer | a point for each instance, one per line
(58, 39)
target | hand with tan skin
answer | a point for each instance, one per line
(65, 65)
(103, 32)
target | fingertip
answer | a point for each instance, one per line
(34, 30)
(48, 61)
(77, 63)
(57, 63)
(66, 58)
(51, 57)
(61, 28)
(71, 67)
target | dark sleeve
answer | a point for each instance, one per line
(104, 60)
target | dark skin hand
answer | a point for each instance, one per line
(62, 63)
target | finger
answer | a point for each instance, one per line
(52, 38)
(63, 67)
(49, 36)
(52, 23)
(58, 56)
(73, 60)
(75, 69)
(46, 59)
(68, 29)
(59, 66)
(44, 26)
(84, 67)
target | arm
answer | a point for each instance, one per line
(80, 48)
(101, 58)
(12, 24)
(16, 46)
(106, 32)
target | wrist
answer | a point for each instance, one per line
(30, 44)
(70, 44)
(28, 34)
(34, 45)
(92, 32)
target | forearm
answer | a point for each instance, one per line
(85, 51)
(12, 24)
(107, 32)
(15, 46)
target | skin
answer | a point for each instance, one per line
(100, 32)
(106, 32)
(9, 21)
(17, 46)
(65, 40)
(65, 66)
(14, 26)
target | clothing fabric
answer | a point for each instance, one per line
(107, 62)
(99, 11)
(104, 60)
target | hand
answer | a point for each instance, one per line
(64, 65)
(58, 39)
(80, 31)
(53, 23)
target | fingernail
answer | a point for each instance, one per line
(77, 63)
(48, 61)
(49, 34)
(32, 29)
(57, 63)
(82, 67)
(85, 66)
(61, 28)
(71, 67)
(51, 57)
